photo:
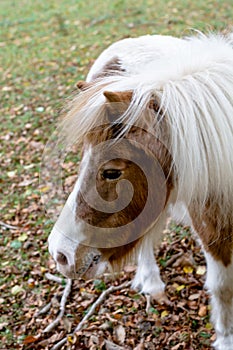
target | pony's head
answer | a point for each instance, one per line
(123, 186)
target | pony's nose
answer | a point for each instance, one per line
(65, 263)
(61, 259)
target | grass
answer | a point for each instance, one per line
(46, 46)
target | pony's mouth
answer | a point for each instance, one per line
(92, 266)
(89, 263)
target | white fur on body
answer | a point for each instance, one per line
(219, 282)
(193, 81)
(147, 278)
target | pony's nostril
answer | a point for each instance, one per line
(62, 259)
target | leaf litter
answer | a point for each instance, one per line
(120, 321)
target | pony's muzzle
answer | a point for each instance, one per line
(65, 264)
(73, 259)
(63, 252)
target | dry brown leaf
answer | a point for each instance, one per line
(120, 334)
(202, 311)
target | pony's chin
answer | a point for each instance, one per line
(67, 272)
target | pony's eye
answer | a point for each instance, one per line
(111, 174)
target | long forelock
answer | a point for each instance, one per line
(194, 90)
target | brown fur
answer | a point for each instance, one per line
(83, 85)
(121, 97)
(112, 67)
(124, 97)
(132, 172)
(215, 232)
(146, 143)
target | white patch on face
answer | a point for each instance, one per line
(66, 222)
(67, 233)
(83, 167)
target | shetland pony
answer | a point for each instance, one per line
(155, 123)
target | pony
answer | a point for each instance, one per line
(154, 120)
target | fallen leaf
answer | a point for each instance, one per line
(3, 325)
(40, 109)
(16, 289)
(23, 237)
(179, 288)
(209, 326)
(202, 311)
(120, 334)
(201, 270)
(16, 244)
(30, 339)
(194, 296)
(6, 88)
(188, 269)
(26, 183)
(164, 313)
(11, 174)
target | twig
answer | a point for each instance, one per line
(65, 295)
(99, 301)
(43, 310)
(173, 259)
(59, 344)
(8, 226)
(46, 308)
(54, 278)
(148, 303)
(101, 298)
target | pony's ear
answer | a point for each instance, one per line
(123, 96)
(126, 96)
(83, 85)
(119, 102)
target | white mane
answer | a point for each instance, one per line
(194, 83)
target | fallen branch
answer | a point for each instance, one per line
(59, 344)
(54, 278)
(97, 303)
(101, 298)
(44, 310)
(47, 307)
(10, 227)
(65, 295)
(174, 258)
